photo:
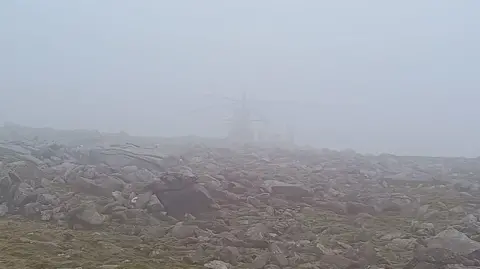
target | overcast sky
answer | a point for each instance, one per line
(391, 76)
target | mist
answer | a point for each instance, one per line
(374, 76)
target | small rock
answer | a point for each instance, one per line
(402, 244)
(90, 215)
(229, 254)
(391, 236)
(200, 256)
(271, 266)
(118, 196)
(142, 200)
(217, 265)
(277, 255)
(46, 215)
(3, 209)
(431, 215)
(427, 229)
(323, 250)
(48, 199)
(181, 231)
(157, 253)
(261, 260)
(458, 210)
(32, 209)
(422, 211)
(254, 201)
(257, 232)
(469, 219)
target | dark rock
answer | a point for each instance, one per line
(194, 199)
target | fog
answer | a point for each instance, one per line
(374, 76)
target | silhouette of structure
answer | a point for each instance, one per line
(242, 127)
(241, 124)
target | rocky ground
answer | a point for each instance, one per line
(90, 200)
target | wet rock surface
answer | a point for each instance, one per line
(92, 200)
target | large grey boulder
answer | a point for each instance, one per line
(193, 199)
(86, 214)
(103, 186)
(455, 241)
(27, 172)
(24, 194)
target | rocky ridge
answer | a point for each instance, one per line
(142, 205)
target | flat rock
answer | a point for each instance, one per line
(455, 241)
(289, 190)
(217, 265)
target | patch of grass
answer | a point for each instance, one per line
(27, 244)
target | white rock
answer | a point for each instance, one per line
(217, 265)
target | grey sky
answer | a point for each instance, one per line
(396, 76)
